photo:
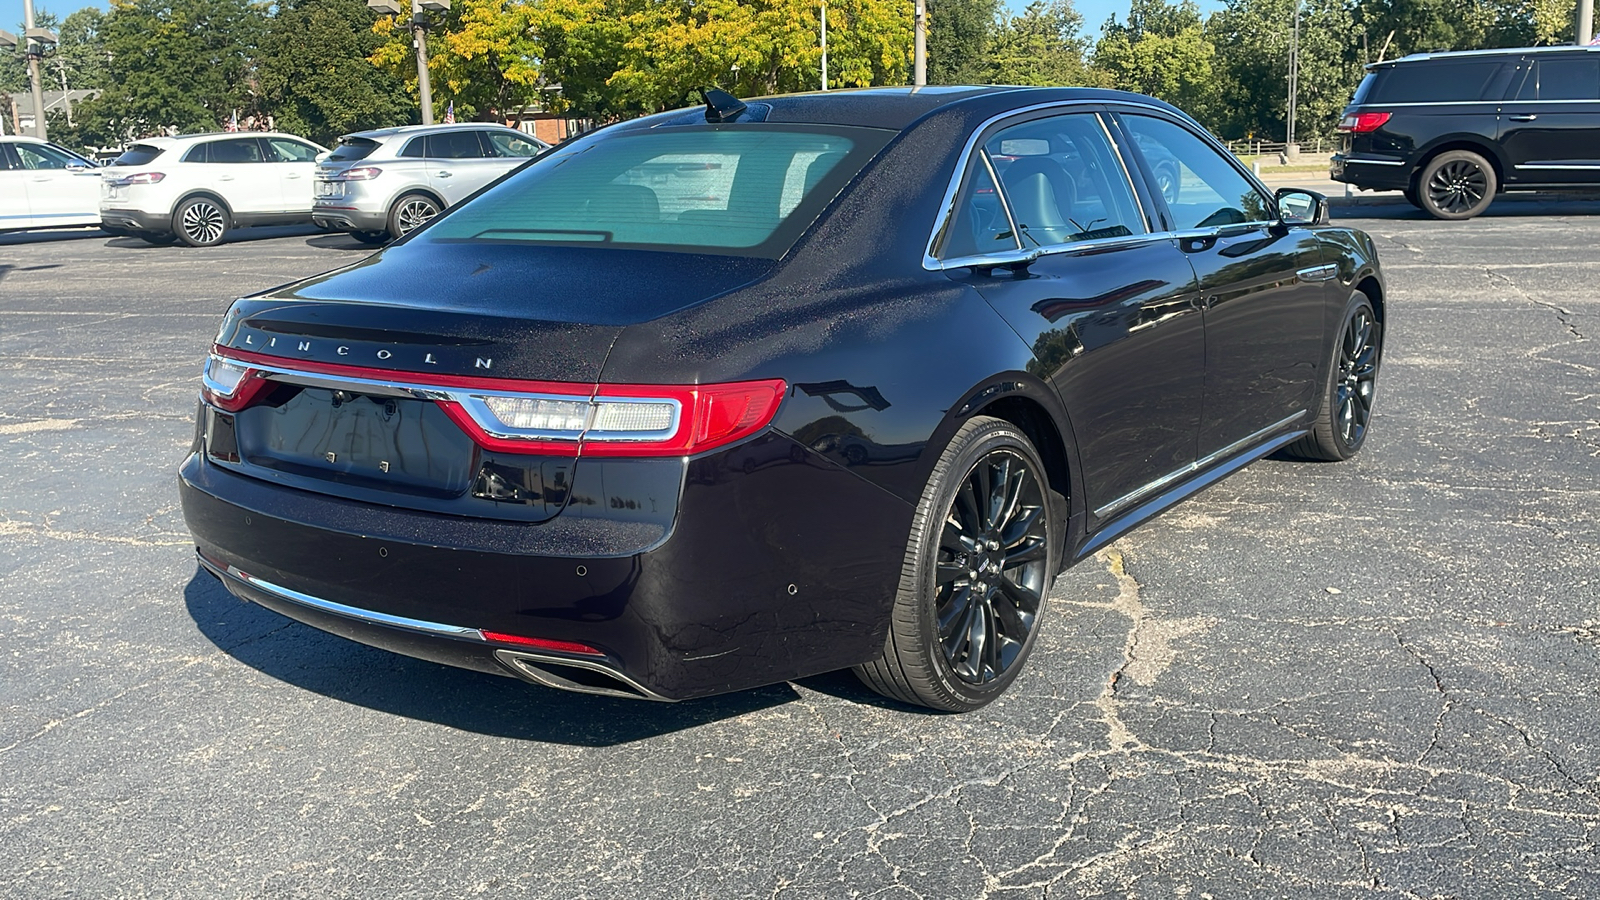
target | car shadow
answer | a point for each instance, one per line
(354, 673)
(48, 235)
(1504, 207)
(341, 241)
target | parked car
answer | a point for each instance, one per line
(732, 395)
(1451, 130)
(44, 185)
(199, 187)
(379, 185)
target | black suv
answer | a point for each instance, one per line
(1452, 129)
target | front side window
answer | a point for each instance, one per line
(1202, 189)
(44, 156)
(747, 190)
(507, 144)
(292, 151)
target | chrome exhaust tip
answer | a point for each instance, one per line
(578, 675)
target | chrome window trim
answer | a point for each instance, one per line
(228, 572)
(1005, 203)
(1127, 177)
(1210, 459)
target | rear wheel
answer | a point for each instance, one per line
(982, 555)
(410, 213)
(1341, 427)
(1413, 198)
(1459, 184)
(200, 222)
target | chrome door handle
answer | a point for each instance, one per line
(443, 175)
(1522, 118)
(224, 177)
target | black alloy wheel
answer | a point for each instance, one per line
(981, 559)
(410, 213)
(1459, 184)
(200, 222)
(1346, 415)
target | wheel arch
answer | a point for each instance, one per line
(1374, 291)
(428, 192)
(209, 195)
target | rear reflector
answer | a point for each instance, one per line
(542, 643)
(1363, 123)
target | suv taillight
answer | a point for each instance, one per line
(1363, 123)
(561, 419)
(361, 173)
(141, 178)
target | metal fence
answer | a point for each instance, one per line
(1313, 144)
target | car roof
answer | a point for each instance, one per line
(898, 108)
(376, 134)
(1468, 54)
(165, 141)
(23, 138)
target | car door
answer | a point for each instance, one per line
(1107, 304)
(238, 169)
(1550, 123)
(295, 163)
(14, 211)
(60, 188)
(1263, 287)
(460, 161)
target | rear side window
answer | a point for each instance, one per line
(1574, 78)
(1438, 81)
(748, 191)
(138, 155)
(352, 149)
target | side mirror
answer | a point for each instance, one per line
(79, 167)
(1301, 207)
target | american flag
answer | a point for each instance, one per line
(450, 113)
(233, 123)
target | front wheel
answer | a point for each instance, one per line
(1456, 185)
(200, 222)
(981, 559)
(1346, 415)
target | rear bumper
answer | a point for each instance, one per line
(777, 565)
(135, 220)
(345, 218)
(1370, 172)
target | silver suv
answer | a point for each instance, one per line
(379, 185)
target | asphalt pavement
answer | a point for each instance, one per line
(1376, 678)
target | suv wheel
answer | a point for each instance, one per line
(410, 213)
(1456, 185)
(200, 222)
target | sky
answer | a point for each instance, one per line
(1095, 12)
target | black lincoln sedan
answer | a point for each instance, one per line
(746, 392)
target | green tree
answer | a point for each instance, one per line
(314, 77)
(959, 36)
(1043, 46)
(1253, 38)
(1163, 51)
(172, 64)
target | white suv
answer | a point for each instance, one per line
(198, 187)
(381, 184)
(46, 186)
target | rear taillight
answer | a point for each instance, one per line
(1363, 123)
(140, 178)
(546, 418)
(361, 173)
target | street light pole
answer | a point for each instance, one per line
(1585, 24)
(919, 53)
(419, 30)
(34, 52)
(1294, 82)
(824, 44)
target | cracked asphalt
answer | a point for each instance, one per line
(1368, 679)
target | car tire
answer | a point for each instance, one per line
(976, 573)
(1411, 197)
(410, 213)
(374, 238)
(1167, 182)
(201, 222)
(1456, 185)
(1345, 417)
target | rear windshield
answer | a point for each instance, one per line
(352, 149)
(1437, 81)
(138, 155)
(743, 190)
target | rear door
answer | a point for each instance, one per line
(239, 169)
(1108, 305)
(1550, 124)
(61, 188)
(13, 195)
(460, 161)
(1263, 288)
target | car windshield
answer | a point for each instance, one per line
(138, 155)
(744, 190)
(351, 149)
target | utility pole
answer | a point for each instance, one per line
(419, 40)
(824, 44)
(66, 99)
(1585, 23)
(1289, 149)
(36, 50)
(919, 54)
